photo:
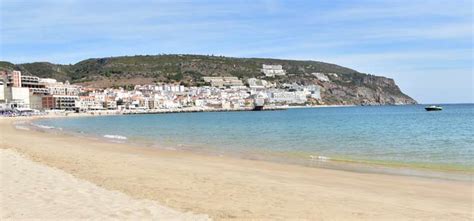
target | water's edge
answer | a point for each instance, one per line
(297, 158)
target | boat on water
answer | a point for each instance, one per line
(433, 108)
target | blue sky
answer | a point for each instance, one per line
(426, 46)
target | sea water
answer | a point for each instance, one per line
(388, 135)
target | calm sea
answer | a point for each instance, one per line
(391, 135)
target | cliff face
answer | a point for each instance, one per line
(371, 90)
(340, 85)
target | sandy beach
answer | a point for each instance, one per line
(58, 176)
(31, 190)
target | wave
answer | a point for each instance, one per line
(320, 158)
(118, 137)
(43, 126)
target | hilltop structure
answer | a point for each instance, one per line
(273, 70)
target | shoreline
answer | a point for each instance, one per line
(225, 187)
(434, 171)
(63, 113)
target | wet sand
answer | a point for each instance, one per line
(226, 188)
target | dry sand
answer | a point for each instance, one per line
(30, 190)
(225, 187)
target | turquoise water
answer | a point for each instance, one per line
(398, 135)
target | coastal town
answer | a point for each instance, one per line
(22, 93)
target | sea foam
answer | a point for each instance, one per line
(42, 126)
(118, 137)
(320, 158)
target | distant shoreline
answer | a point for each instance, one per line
(62, 113)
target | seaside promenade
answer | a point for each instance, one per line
(192, 184)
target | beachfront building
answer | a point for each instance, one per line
(12, 95)
(60, 102)
(14, 79)
(26, 91)
(59, 88)
(17, 79)
(288, 97)
(30, 81)
(36, 101)
(311, 91)
(17, 97)
(85, 103)
(34, 84)
(273, 70)
(110, 104)
(65, 102)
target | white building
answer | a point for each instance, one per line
(89, 103)
(59, 88)
(222, 82)
(273, 70)
(293, 97)
(18, 96)
(48, 80)
(314, 91)
(257, 84)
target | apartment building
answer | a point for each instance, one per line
(59, 88)
(224, 82)
(60, 102)
(273, 70)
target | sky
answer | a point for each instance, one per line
(426, 46)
